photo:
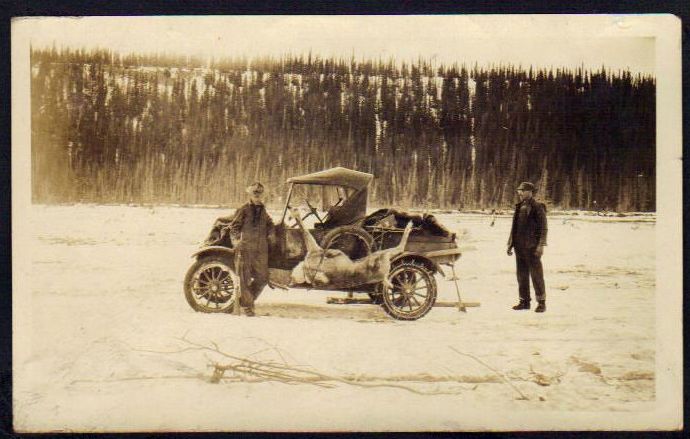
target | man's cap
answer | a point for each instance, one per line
(255, 188)
(526, 186)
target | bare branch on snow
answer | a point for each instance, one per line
(247, 369)
(499, 374)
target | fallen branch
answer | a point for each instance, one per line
(499, 374)
(300, 376)
(140, 378)
(250, 370)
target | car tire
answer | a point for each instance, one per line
(414, 292)
(354, 241)
(208, 285)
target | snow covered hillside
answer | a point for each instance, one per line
(104, 317)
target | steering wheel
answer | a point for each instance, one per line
(313, 211)
(294, 223)
(328, 214)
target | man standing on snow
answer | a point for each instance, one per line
(249, 230)
(528, 238)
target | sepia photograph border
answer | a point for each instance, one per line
(668, 415)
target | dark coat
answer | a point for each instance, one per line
(250, 229)
(536, 230)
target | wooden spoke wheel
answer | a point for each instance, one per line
(208, 285)
(413, 293)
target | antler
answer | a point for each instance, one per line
(403, 241)
(309, 240)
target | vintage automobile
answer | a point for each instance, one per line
(342, 223)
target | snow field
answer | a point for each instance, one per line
(106, 289)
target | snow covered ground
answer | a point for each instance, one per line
(104, 288)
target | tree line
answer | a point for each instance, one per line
(161, 128)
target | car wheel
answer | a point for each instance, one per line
(208, 285)
(413, 293)
(354, 241)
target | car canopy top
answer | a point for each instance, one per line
(337, 177)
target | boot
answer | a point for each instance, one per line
(541, 307)
(524, 304)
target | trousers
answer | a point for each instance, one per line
(252, 269)
(529, 265)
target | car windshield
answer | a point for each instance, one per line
(321, 197)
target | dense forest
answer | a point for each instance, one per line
(118, 128)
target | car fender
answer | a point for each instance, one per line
(419, 257)
(214, 249)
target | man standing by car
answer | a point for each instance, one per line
(528, 238)
(249, 230)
